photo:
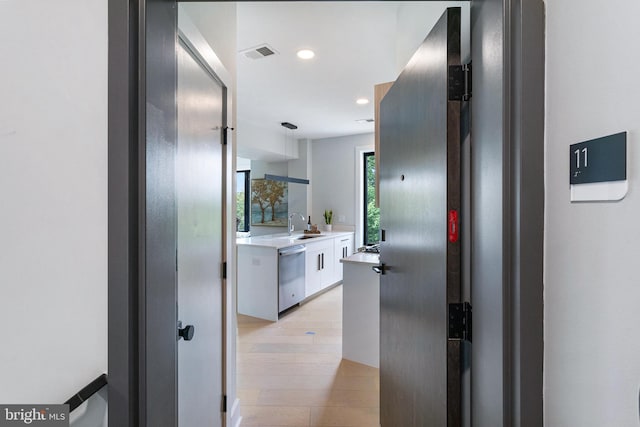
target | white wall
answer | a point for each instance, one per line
(334, 178)
(255, 142)
(592, 284)
(53, 182)
(243, 164)
(300, 194)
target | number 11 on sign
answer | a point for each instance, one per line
(586, 159)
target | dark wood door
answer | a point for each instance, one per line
(419, 196)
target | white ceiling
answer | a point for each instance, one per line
(355, 49)
(357, 45)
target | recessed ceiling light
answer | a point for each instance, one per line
(362, 101)
(306, 54)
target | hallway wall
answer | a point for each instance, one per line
(53, 182)
(592, 354)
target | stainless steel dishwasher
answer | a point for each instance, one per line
(290, 276)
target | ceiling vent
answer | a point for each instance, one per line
(259, 52)
(364, 121)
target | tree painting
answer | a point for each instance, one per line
(276, 196)
(269, 202)
(260, 196)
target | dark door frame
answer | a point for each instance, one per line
(507, 218)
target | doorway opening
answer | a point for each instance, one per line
(511, 79)
(314, 148)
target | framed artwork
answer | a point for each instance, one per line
(269, 202)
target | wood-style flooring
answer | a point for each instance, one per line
(291, 372)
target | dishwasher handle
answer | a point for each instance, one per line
(292, 250)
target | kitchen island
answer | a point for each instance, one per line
(361, 309)
(259, 278)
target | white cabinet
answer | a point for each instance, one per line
(361, 310)
(323, 267)
(343, 248)
(257, 274)
(319, 266)
(258, 282)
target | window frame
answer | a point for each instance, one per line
(247, 200)
(365, 155)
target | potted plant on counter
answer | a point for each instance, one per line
(328, 217)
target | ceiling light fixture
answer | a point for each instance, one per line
(362, 101)
(289, 125)
(306, 54)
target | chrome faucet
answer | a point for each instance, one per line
(290, 224)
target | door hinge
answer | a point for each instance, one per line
(460, 321)
(224, 270)
(460, 82)
(225, 134)
(224, 403)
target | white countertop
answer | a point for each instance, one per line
(366, 258)
(283, 240)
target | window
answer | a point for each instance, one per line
(242, 200)
(371, 218)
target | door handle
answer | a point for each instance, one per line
(380, 269)
(187, 332)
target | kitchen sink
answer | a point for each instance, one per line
(308, 236)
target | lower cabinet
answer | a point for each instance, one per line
(323, 266)
(257, 276)
(257, 272)
(343, 248)
(319, 266)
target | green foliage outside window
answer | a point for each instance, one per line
(242, 205)
(371, 212)
(240, 218)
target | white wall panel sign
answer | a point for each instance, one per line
(598, 169)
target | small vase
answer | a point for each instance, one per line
(327, 227)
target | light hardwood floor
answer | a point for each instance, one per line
(291, 372)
